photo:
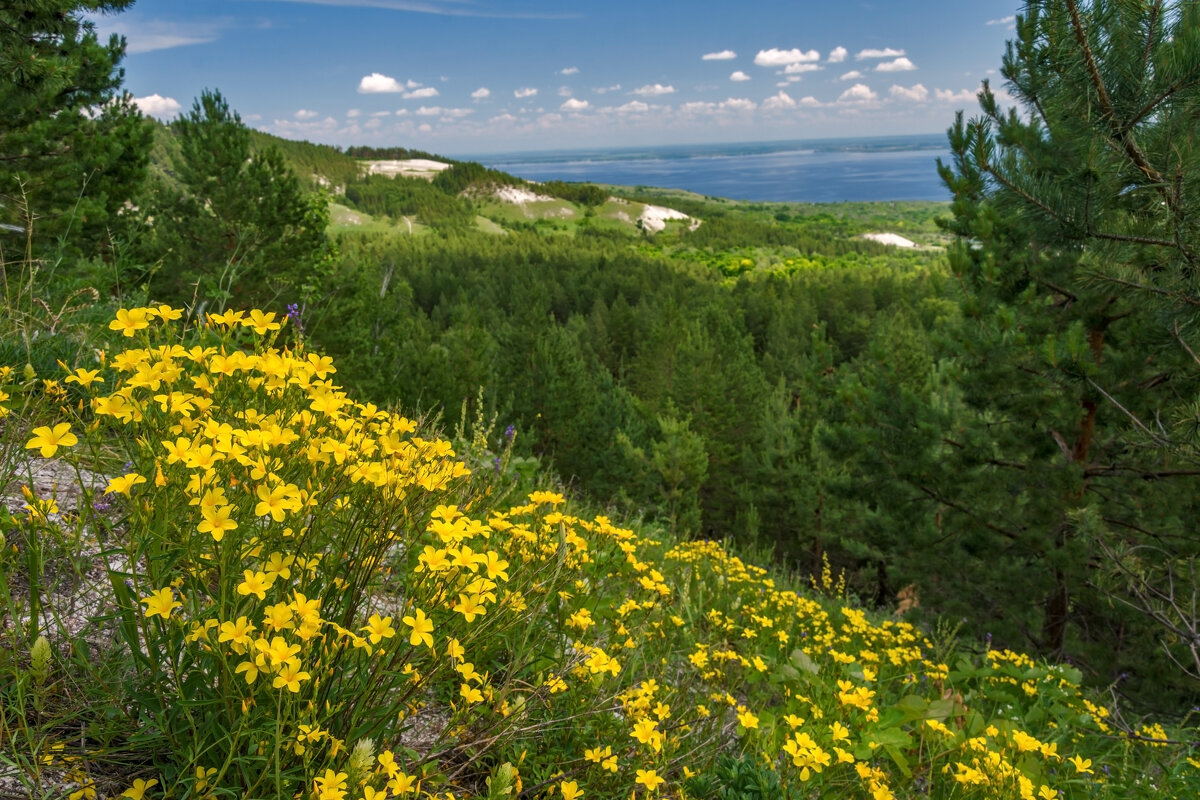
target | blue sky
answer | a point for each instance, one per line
(483, 76)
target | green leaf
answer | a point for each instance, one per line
(912, 706)
(801, 660)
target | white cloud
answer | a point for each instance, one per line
(1002, 21)
(887, 52)
(401, 112)
(505, 117)
(377, 83)
(739, 104)
(777, 101)
(654, 90)
(951, 96)
(781, 58)
(837, 55)
(569, 71)
(445, 113)
(575, 104)
(616, 87)
(156, 105)
(565, 91)
(373, 124)
(305, 113)
(481, 93)
(305, 128)
(146, 36)
(697, 107)
(633, 107)
(352, 113)
(851, 75)
(721, 55)
(739, 76)
(526, 92)
(809, 102)
(796, 69)
(421, 94)
(425, 127)
(858, 93)
(917, 93)
(898, 65)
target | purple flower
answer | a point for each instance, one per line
(293, 313)
(510, 432)
(496, 464)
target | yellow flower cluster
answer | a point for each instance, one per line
(311, 571)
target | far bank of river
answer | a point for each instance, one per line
(812, 171)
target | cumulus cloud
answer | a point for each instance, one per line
(352, 113)
(305, 113)
(837, 55)
(401, 112)
(858, 93)
(569, 71)
(870, 52)
(525, 92)
(654, 90)
(377, 83)
(898, 65)
(481, 93)
(697, 107)
(156, 105)
(445, 113)
(420, 94)
(1002, 21)
(291, 128)
(796, 69)
(781, 58)
(778, 101)
(738, 104)
(565, 91)
(633, 107)
(951, 96)
(575, 104)
(739, 76)
(616, 87)
(917, 93)
(809, 101)
(503, 118)
(851, 75)
(720, 55)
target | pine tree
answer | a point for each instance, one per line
(239, 227)
(73, 148)
(1078, 249)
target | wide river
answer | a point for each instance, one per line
(812, 171)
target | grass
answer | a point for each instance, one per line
(343, 219)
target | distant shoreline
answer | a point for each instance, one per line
(883, 168)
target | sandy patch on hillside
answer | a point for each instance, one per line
(654, 218)
(406, 168)
(521, 196)
(894, 239)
